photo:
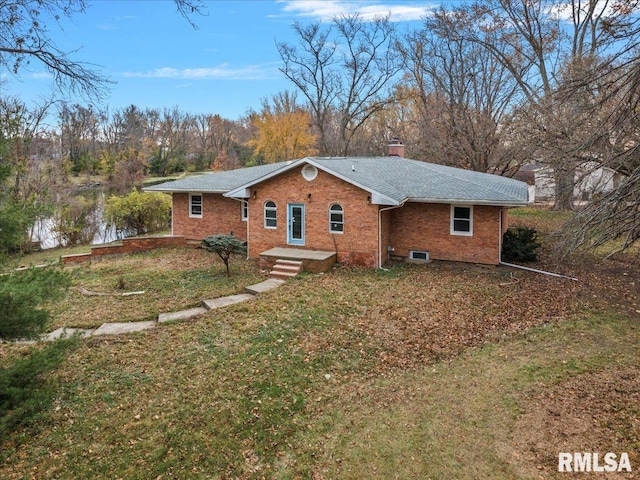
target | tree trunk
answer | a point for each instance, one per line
(564, 179)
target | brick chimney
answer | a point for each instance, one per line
(396, 148)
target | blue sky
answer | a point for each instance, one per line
(226, 66)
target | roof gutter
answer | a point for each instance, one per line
(181, 190)
(454, 201)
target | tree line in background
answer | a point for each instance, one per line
(488, 85)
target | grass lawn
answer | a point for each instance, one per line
(171, 279)
(440, 371)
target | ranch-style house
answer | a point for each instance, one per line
(364, 210)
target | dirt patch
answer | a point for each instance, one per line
(597, 412)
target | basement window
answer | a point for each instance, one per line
(418, 255)
(195, 205)
(461, 220)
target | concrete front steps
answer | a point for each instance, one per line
(285, 269)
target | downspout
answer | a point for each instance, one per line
(248, 215)
(241, 207)
(500, 234)
(380, 230)
(173, 210)
(538, 271)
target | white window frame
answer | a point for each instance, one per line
(191, 205)
(271, 209)
(244, 210)
(331, 222)
(463, 233)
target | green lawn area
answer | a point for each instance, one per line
(440, 371)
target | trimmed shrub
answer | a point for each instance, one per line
(224, 246)
(520, 244)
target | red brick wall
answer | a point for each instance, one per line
(220, 215)
(421, 226)
(359, 242)
(128, 245)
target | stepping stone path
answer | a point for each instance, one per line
(207, 305)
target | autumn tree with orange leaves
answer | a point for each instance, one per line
(283, 131)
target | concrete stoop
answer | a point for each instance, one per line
(285, 269)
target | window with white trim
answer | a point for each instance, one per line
(195, 205)
(461, 220)
(336, 218)
(244, 210)
(270, 215)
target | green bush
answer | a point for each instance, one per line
(25, 390)
(520, 244)
(138, 213)
(21, 297)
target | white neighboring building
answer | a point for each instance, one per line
(591, 179)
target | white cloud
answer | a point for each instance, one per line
(328, 9)
(221, 72)
(42, 75)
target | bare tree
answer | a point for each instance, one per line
(214, 138)
(169, 154)
(125, 147)
(613, 139)
(20, 128)
(612, 217)
(344, 70)
(539, 42)
(79, 126)
(461, 92)
(24, 37)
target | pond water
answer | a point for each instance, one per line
(43, 230)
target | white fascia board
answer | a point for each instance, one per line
(240, 191)
(378, 199)
(181, 190)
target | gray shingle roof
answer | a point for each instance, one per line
(216, 182)
(392, 180)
